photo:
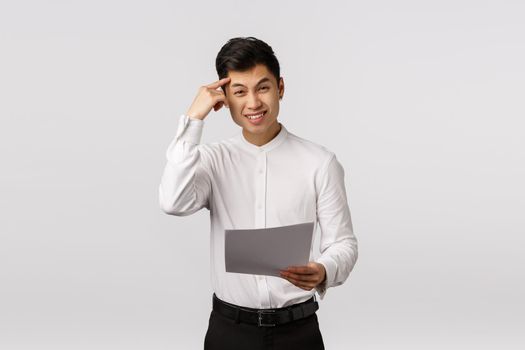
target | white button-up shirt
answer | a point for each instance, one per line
(288, 180)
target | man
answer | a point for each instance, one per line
(265, 176)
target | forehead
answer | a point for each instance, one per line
(251, 77)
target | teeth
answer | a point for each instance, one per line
(255, 116)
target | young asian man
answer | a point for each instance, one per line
(265, 176)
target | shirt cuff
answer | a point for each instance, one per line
(189, 129)
(330, 269)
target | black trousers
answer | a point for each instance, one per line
(225, 334)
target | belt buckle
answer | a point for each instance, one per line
(261, 312)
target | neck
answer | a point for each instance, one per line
(262, 139)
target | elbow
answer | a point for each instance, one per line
(167, 208)
(170, 210)
(175, 210)
(170, 207)
(173, 204)
(178, 207)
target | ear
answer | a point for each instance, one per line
(281, 88)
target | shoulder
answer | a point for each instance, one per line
(221, 146)
(216, 152)
(320, 154)
(327, 167)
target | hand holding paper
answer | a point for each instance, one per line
(305, 277)
(267, 251)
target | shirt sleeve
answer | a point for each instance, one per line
(338, 244)
(185, 185)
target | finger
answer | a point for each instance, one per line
(301, 269)
(217, 94)
(218, 83)
(299, 277)
(300, 284)
(296, 283)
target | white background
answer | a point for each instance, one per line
(422, 101)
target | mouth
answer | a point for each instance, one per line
(255, 118)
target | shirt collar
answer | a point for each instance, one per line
(273, 143)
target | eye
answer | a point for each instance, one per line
(237, 92)
(264, 87)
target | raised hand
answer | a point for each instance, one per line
(208, 97)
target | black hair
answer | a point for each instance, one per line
(242, 54)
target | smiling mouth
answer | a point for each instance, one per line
(256, 116)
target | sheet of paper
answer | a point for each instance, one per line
(265, 251)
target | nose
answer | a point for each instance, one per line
(253, 101)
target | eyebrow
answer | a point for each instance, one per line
(260, 81)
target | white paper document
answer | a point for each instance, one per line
(265, 251)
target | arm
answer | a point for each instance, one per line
(185, 185)
(338, 245)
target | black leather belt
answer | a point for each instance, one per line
(265, 317)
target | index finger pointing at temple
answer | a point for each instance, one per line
(218, 83)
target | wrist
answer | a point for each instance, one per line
(324, 273)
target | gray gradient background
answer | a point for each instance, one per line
(422, 102)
